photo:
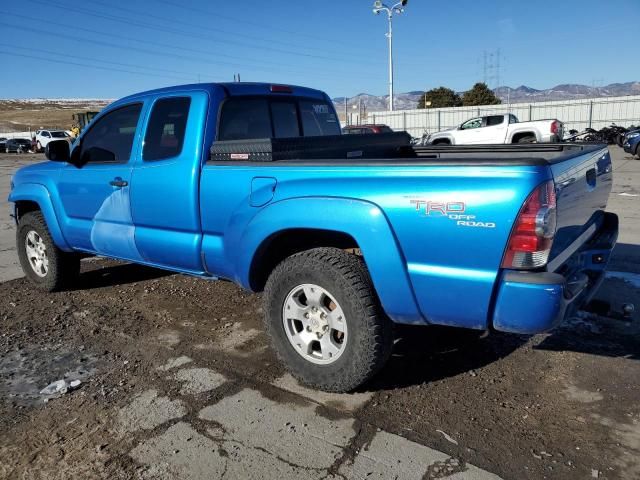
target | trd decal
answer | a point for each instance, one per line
(439, 207)
(456, 211)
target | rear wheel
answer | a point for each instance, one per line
(48, 267)
(527, 139)
(38, 147)
(325, 320)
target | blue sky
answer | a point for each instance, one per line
(109, 48)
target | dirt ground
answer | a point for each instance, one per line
(18, 116)
(564, 405)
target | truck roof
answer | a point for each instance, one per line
(233, 89)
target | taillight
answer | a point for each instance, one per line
(532, 235)
(555, 126)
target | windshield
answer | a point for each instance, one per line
(59, 134)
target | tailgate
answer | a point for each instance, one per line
(583, 183)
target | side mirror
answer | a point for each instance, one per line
(58, 151)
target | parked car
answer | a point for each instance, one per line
(3, 144)
(43, 137)
(343, 241)
(366, 129)
(18, 145)
(496, 129)
(632, 143)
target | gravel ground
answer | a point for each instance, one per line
(178, 381)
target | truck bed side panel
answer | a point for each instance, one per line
(452, 267)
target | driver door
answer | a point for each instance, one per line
(469, 132)
(95, 197)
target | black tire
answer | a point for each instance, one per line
(442, 142)
(638, 150)
(346, 278)
(527, 139)
(63, 267)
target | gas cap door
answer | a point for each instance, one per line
(262, 190)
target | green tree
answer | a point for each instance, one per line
(439, 98)
(480, 94)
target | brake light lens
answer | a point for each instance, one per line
(281, 89)
(555, 126)
(532, 235)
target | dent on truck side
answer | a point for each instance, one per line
(363, 221)
(39, 194)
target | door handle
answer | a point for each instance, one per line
(118, 182)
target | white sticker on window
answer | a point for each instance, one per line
(321, 109)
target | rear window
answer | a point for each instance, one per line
(494, 120)
(251, 117)
(318, 119)
(285, 119)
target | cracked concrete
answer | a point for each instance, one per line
(148, 410)
(294, 433)
(254, 437)
(198, 380)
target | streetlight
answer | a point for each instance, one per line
(378, 7)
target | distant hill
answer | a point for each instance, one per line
(20, 115)
(409, 100)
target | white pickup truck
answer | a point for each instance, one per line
(495, 129)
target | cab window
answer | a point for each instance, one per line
(473, 123)
(166, 128)
(110, 138)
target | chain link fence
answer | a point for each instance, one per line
(575, 114)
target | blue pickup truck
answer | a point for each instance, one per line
(345, 235)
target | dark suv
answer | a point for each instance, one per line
(364, 129)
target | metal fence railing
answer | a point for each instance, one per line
(575, 114)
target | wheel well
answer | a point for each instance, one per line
(25, 206)
(520, 135)
(442, 141)
(289, 242)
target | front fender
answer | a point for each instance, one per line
(442, 136)
(364, 221)
(34, 192)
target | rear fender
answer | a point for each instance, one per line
(361, 220)
(33, 192)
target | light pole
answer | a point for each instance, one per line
(378, 7)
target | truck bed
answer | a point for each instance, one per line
(387, 149)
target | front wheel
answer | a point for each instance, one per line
(48, 267)
(325, 320)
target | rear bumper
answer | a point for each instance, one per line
(533, 302)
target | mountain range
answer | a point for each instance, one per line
(521, 94)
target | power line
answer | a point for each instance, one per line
(191, 25)
(132, 39)
(78, 64)
(180, 75)
(142, 50)
(256, 24)
(188, 34)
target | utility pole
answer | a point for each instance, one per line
(378, 7)
(346, 114)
